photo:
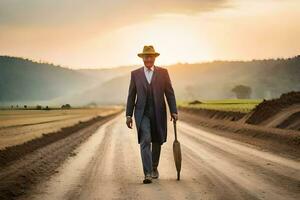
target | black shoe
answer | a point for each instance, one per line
(155, 173)
(148, 179)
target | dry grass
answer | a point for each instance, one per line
(19, 126)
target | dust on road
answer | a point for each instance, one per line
(108, 166)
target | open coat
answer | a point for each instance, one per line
(137, 95)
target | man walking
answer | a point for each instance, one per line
(147, 88)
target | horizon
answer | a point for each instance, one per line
(111, 34)
(131, 65)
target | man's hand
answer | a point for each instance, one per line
(174, 116)
(129, 122)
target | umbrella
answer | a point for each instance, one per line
(177, 152)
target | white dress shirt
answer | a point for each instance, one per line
(148, 73)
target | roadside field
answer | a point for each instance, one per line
(235, 105)
(19, 126)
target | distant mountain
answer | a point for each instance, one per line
(24, 79)
(267, 78)
(113, 91)
(106, 74)
(213, 80)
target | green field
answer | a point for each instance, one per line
(236, 105)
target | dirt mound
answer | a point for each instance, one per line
(292, 122)
(279, 141)
(195, 102)
(269, 108)
(214, 114)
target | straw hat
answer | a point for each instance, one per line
(148, 50)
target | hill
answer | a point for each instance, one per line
(213, 80)
(26, 80)
(22, 79)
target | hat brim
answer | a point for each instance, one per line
(141, 55)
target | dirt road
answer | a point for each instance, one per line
(108, 166)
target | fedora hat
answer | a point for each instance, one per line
(148, 50)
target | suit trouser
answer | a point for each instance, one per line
(150, 159)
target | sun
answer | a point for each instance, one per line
(175, 38)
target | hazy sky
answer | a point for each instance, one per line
(98, 33)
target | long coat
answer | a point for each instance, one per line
(137, 95)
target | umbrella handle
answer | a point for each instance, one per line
(175, 130)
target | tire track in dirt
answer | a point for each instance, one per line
(108, 166)
(19, 175)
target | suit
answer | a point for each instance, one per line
(137, 95)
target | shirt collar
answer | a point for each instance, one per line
(145, 68)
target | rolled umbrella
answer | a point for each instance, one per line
(177, 152)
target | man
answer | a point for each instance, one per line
(147, 88)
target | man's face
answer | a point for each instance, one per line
(149, 60)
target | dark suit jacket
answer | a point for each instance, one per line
(136, 99)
